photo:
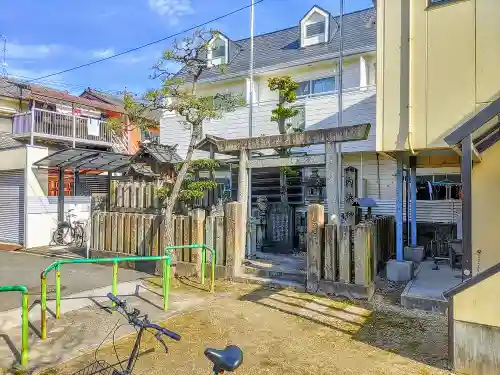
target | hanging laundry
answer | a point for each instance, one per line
(93, 127)
(429, 186)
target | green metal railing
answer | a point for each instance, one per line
(204, 248)
(57, 267)
(24, 318)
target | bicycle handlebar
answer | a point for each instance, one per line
(144, 323)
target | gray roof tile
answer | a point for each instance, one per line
(6, 141)
(283, 47)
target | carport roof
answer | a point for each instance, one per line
(85, 159)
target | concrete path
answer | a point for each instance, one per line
(86, 322)
(22, 268)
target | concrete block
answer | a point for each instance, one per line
(399, 271)
(414, 254)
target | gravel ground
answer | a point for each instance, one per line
(285, 332)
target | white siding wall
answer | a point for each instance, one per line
(321, 111)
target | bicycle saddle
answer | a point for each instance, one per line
(228, 359)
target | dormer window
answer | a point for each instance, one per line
(218, 50)
(315, 27)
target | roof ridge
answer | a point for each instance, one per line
(297, 26)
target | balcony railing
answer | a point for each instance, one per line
(59, 126)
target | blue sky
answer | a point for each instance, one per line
(48, 36)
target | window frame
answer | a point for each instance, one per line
(307, 36)
(311, 92)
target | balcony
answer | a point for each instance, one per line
(65, 128)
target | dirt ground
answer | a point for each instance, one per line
(285, 332)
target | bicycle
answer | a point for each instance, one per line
(228, 359)
(71, 228)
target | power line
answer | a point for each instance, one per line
(147, 44)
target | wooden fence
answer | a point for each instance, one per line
(347, 266)
(141, 197)
(134, 197)
(143, 234)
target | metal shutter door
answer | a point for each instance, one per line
(12, 206)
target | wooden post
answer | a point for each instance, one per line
(126, 195)
(114, 232)
(107, 220)
(119, 194)
(362, 254)
(140, 195)
(126, 233)
(331, 255)
(157, 233)
(133, 234)
(140, 235)
(149, 235)
(210, 235)
(102, 231)
(235, 249)
(345, 255)
(134, 187)
(120, 222)
(197, 236)
(186, 238)
(178, 236)
(315, 225)
(95, 231)
(148, 196)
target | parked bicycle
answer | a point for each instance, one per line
(70, 232)
(228, 359)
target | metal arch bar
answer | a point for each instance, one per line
(24, 318)
(204, 248)
(57, 264)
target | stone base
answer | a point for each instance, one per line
(414, 254)
(399, 271)
(337, 288)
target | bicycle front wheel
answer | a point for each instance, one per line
(78, 236)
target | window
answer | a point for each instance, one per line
(315, 29)
(316, 86)
(324, 85)
(218, 51)
(304, 88)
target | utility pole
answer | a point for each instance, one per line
(4, 53)
(340, 105)
(250, 123)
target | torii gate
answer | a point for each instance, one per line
(242, 146)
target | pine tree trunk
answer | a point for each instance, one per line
(172, 199)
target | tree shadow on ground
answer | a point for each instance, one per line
(420, 339)
(416, 338)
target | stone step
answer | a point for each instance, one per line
(277, 273)
(271, 282)
(426, 304)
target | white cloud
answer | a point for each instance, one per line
(103, 53)
(173, 10)
(32, 51)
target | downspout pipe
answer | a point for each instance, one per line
(410, 74)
